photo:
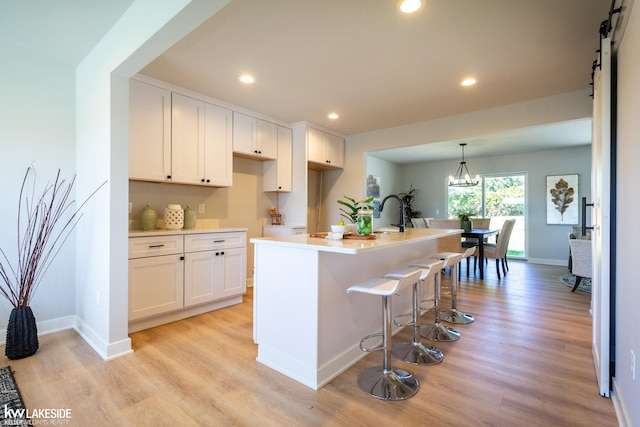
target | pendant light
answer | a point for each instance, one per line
(462, 177)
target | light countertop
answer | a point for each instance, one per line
(165, 232)
(353, 246)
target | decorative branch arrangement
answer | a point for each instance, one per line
(44, 224)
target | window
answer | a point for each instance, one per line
(499, 197)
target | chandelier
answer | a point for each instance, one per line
(462, 178)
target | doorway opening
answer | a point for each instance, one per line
(499, 197)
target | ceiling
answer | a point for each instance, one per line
(359, 58)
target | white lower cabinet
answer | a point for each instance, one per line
(178, 276)
(155, 285)
(213, 275)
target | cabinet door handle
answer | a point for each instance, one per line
(181, 258)
(221, 253)
(155, 246)
(168, 176)
(202, 180)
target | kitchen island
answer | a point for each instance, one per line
(305, 324)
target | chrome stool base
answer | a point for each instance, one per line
(456, 317)
(417, 353)
(396, 384)
(438, 332)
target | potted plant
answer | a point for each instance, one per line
(44, 223)
(409, 210)
(350, 207)
(465, 220)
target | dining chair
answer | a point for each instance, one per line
(498, 251)
(419, 222)
(444, 223)
(581, 260)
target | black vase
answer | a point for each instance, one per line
(22, 334)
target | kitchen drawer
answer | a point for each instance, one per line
(212, 241)
(141, 247)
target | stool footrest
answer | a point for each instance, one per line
(409, 323)
(370, 349)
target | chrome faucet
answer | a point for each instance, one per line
(399, 199)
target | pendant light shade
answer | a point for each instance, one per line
(462, 178)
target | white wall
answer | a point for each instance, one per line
(546, 243)
(351, 181)
(36, 128)
(627, 315)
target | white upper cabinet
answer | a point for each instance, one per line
(254, 137)
(179, 139)
(326, 151)
(187, 134)
(218, 145)
(149, 132)
(201, 143)
(276, 174)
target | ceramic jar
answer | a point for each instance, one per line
(148, 218)
(189, 218)
(173, 217)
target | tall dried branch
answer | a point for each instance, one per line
(48, 221)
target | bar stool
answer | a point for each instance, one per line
(438, 331)
(385, 382)
(415, 352)
(454, 315)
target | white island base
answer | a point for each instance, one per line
(305, 324)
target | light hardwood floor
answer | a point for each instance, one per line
(526, 361)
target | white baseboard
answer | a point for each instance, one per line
(559, 262)
(105, 351)
(47, 326)
(619, 405)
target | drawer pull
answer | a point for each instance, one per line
(219, 241)
(156, 246)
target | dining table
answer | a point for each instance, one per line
(481, 234)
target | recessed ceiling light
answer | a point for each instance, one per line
(247, 78)
(333, 116)
(469, 82)
(410, 6)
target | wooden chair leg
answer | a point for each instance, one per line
(578, 280)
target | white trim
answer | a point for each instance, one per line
(622, 414)
(47, 327)
(107, 351)
(559, 262)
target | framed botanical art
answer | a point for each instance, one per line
(562, 199)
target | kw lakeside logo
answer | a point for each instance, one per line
(45, 416)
